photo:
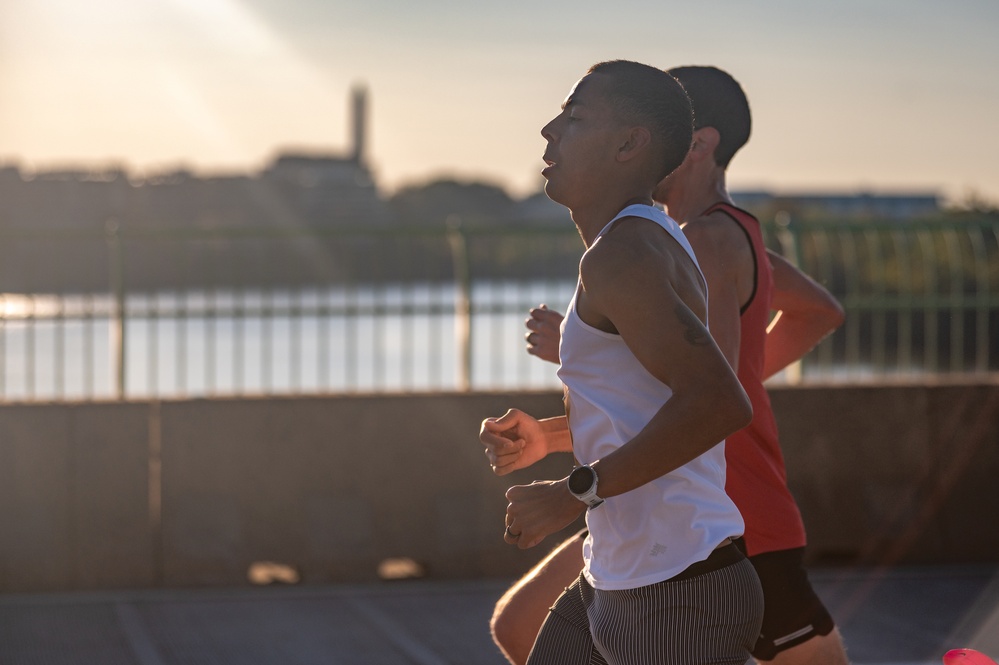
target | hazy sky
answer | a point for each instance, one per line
(876, 94)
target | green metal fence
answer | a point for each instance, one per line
(136, 312)
(921, 297)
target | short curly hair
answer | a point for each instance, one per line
(653, 98)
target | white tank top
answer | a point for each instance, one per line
(655, 531)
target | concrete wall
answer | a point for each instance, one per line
(193, 492)
(895, 474)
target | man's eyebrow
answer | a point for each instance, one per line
(567, 103)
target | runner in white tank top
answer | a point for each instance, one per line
(650, 398)
(655, 531)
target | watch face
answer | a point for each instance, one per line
(581, 479)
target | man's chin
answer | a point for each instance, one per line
(552, 191)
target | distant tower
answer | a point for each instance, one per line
(359, 112)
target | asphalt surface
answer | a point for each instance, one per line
(901, 616)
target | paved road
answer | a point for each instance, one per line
(904, 616)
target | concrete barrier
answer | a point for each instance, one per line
(891, 475)
(187, 493)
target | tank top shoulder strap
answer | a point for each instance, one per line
(669, 225)
(662, 219)
(736, 213)
(753, 236)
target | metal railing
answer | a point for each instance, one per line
(921, 297)
(136, 313)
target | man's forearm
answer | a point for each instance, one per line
(794, 335)
(557, 434)
(686, 427)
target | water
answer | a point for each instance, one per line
(393, 337)
(397, 337)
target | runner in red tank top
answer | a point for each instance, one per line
(745, 285)
(756, 479)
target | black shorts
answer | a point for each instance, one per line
(794, 613)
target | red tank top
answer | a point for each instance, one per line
(756, 479)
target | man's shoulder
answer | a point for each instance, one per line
(633, 239)
(715, 223)
(629, 249)
(717, 234)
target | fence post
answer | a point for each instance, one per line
(116, 277)
(791, 250)
(463, 301)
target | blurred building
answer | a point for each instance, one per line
(844, 205)
(331, 188)
(296, 189)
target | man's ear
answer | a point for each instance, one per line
(634, 143)
(706, 139)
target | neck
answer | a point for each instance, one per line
(592, 219)
(698, 195)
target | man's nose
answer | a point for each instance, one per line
(548, 131)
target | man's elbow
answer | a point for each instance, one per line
(837, 316)
(738, 412)
(832, 314)
(743, 411)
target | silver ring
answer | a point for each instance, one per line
(515, 536)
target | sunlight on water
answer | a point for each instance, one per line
(18, 306)
(393, 338)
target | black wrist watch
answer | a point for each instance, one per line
(582, 484)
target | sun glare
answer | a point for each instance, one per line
(231, 26)
(202, 81)
(17, 306)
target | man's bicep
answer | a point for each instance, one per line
(639, 292)
(667, 337)
(721, 250)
